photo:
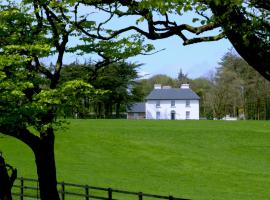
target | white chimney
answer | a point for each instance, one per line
(157, 86)
(166, 87)
(185, 86)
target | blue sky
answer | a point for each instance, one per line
(196, 60)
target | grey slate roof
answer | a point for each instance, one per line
(172, 94)
(136, 107)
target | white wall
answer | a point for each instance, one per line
(166, 108)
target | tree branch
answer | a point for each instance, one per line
(204, 39)
(42, 69)
(21, 133)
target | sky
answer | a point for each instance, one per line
(195, 60)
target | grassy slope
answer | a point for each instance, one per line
(193, 159)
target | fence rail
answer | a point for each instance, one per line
(27, 188)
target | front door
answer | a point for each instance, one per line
(172, 115)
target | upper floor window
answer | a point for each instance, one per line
(187, 103)
(157, 103)
(172, 103)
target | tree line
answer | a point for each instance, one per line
(115, 80)
(234, 89)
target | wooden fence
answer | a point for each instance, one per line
(26, 188)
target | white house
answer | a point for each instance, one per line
(169, 103)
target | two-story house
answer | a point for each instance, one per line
(168, 103)
(172, 103)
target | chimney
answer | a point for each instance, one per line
(184, 86)
(166, 87)
(157, 86)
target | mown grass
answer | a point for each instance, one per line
(191, 159)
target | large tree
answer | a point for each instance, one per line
(31, 94)
(8, 175)
(249, 92)
(116, 79)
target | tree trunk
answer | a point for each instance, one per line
(6, 181)
(245, 41)
(107, 110)
(5, 192)
(117, 110)
(46, 169)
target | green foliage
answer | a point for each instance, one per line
(114, 49)
(116, 79)
(30, 92)
(253, 90)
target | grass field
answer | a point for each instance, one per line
(191, 159)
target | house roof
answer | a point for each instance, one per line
(172, 94)
(136, 107)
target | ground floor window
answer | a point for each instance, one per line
(158, 115)
(187, 114)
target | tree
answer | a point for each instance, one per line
(6, 180)
(202, 86)
(227, 98)
(182, 78)
(236, 90)
(253, 90)
(244, 22)
(144, 86)
(31, 94)
(117, 79)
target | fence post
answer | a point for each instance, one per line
(109, 193)
(170, 197)
(86, 192)
(63, 191)
(22, 188)
(140, 195)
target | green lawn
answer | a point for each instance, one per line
(191, 159)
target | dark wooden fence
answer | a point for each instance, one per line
(26, 188)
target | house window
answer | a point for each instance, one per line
(158, 115)
(187, 114)
(172, 103)
(187, 103)
(158, 103)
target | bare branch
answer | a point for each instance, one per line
(264, 4)
(42, 69)
(56, 34)
(39, 18)
(204, 39)
(21, 133)
(203, 15)
(147, 54)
